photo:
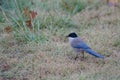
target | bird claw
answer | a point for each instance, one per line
(76, 58)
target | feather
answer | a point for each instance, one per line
(94, 53)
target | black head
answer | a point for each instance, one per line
(73, 35)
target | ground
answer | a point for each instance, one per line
(54, 58)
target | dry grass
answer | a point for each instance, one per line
(53, 60)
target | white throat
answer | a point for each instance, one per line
(70, 39)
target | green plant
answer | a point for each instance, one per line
(48, 5)
(73, 6)
(54, 21)
(17, 21)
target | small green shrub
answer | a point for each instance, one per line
(52, 21)
(11, 4)
(73, 6)
(16, 20)
(48, 5)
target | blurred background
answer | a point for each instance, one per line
(33, 44)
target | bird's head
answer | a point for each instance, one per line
(72, 35)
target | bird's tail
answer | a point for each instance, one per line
(94, 53)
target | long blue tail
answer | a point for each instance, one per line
(94, 53)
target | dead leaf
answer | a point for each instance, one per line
(25, 12)
(29, 23)
(29, 14)
(32, 14)
(8, 29)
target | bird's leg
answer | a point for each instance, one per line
(83, 54)
(76, 57)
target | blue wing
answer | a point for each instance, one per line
(78, 43)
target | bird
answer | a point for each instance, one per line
(79, 46)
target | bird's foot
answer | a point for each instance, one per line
(76, 58)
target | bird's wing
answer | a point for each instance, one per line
(78, 43)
